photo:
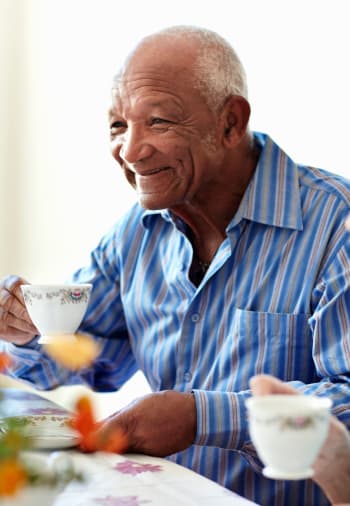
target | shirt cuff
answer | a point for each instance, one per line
(30, 365)
(221, 419)
(32, 344)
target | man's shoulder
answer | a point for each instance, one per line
(314, 179)
(321, 180)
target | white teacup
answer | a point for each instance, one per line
(288, 432)
(56, 310)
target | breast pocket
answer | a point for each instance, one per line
(272, 343)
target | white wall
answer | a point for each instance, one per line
(60, 189)
(11, 42)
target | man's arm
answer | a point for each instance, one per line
(103, 320)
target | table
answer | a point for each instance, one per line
(135, 480)
(120, 480)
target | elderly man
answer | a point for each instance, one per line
(234, 261)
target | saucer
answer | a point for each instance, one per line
(279, 474)
(53, 441)
(48, 431)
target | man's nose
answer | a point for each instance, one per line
(135, 146)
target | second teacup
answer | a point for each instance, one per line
(288, 432)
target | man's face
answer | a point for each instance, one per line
(163, 134)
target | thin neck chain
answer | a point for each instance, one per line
(203, 265)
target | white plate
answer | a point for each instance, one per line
(47, 431)
(53, 442)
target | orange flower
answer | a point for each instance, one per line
(12, 477)
(85, 424)
(5, 361)
(75, 353)
(90, 437)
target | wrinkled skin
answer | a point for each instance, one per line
(332, 467)
(157, 424)
(15, 323)
(174, 149)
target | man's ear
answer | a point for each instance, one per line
(235, 114)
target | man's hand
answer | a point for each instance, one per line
(157, 424)
(15, 323)
(332, 467)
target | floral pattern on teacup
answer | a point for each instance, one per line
(298, 422)
(65, 295)
(292, 422)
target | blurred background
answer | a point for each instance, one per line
(60, 190)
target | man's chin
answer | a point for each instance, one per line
(162, 198)
(151, 206)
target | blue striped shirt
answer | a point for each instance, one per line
(274, 300)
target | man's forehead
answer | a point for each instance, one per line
(156, 84)
(148, 101)
(154, 76)
(156, 57)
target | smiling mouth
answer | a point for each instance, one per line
(154, 171)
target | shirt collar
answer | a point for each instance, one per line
(166, 214)
(272, 196)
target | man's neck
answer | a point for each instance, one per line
(208, 216)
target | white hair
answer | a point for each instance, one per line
(218, 72)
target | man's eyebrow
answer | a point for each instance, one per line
(111, 112)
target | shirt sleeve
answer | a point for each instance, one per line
(221, 419)
(104, 320)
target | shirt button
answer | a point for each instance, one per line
(195, 317)
(187, 376)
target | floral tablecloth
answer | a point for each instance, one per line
(136, 480)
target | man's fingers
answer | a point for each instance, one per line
(15, 323)
(10, 304)
(12, 284)
(263, 384)
(9, 320)
(18, 336)
(14, 330)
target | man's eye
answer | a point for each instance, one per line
(159, 121)
(116, 126)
